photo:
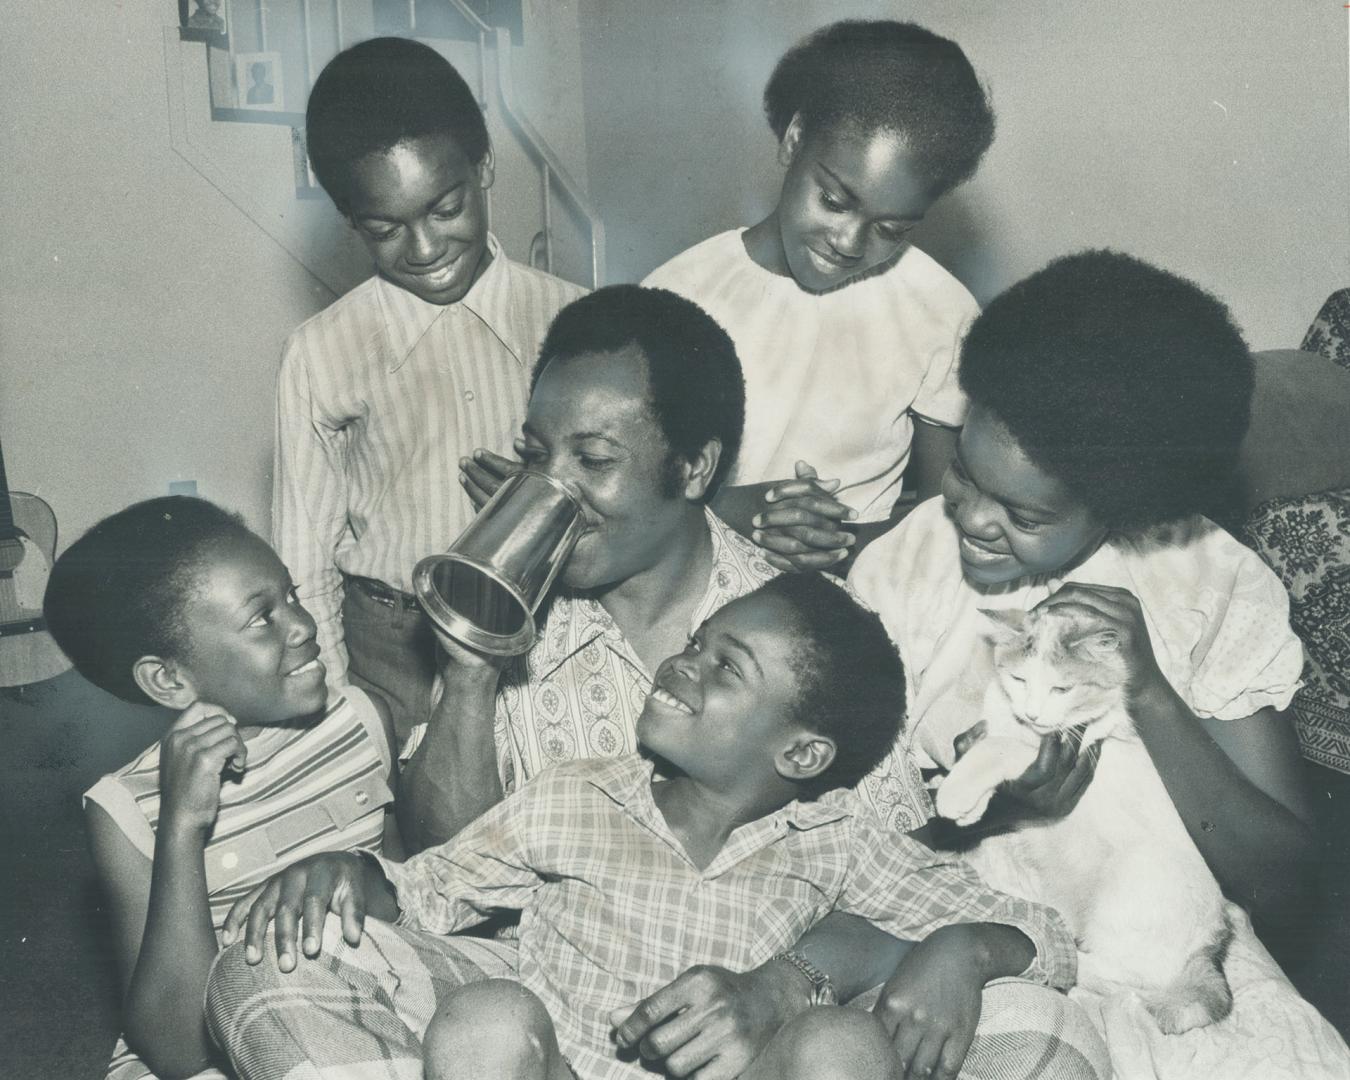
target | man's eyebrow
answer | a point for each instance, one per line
(741, 646)
(578, 436)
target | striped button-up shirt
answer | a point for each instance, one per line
(379, 397)
(613, 908)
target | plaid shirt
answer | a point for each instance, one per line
(613, 909)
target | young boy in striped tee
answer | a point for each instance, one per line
(722, 845)
(174, 602)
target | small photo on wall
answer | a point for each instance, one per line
(258, 83)
(202, 20)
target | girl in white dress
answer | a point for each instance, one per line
(1108, 403)
(847, 334)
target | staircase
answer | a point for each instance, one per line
(261, 57)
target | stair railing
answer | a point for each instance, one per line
(551, 169)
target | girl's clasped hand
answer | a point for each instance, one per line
(801, 525)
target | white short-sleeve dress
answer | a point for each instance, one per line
(833, 378)
(1218, 621)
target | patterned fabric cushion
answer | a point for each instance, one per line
(1330, 332)
(1306, 541)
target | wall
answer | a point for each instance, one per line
(142, 310)
(152, 261)
(1210, 137)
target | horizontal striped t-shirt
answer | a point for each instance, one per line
(303, 790)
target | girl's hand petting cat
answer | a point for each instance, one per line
(202, 742)
(1119, 616)
(1053, 783)
(1056, 780)
(930, 1007)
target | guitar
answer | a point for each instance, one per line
(27, 543)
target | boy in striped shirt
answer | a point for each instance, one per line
(722, 845)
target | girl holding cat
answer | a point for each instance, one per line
(1108, 403)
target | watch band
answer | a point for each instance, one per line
(822, 990)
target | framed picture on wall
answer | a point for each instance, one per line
(258, 81)
(202, 20)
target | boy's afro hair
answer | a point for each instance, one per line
(888, 76)
(379, 93)
(118, 593)
(1131, 386)
(850, 680)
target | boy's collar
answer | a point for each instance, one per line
(628, 780)
(408, 318)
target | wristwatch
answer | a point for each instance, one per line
(822, 990)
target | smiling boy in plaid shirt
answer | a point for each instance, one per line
(743, 837)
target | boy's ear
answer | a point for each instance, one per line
(164, 682)
(698, 472)
(486, 169)
(806, 757)
(791, 141)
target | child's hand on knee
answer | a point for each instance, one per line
(930, 1007)
(709, 1021)
(297, 901)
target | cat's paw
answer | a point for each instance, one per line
(1199, 995)
(962, 803)
(1177, 1017)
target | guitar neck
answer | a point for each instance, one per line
(7, 529)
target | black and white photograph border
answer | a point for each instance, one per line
(153, 259)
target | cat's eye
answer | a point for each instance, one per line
(1059, 689)
(1017, 679)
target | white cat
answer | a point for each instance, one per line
(1138, 897)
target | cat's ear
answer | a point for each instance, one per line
(1096, 644)
(1003, 625)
